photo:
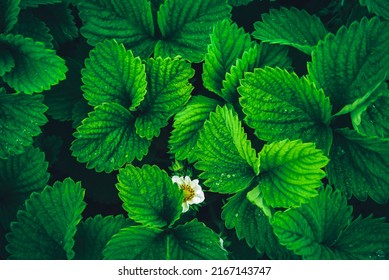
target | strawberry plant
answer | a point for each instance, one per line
(198, 129)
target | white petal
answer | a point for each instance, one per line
(175, 179)
(185, 207)
(200, 196)
(195, 182)
(179, 180)
(187, 180)
(197, 188)
(195, 200)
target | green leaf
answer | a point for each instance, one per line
(36, 68)
(30, 26)
(113, 74)
(185, 27)
(137, 243)
(312, 229)
(321, 229)
(365, 239)
(225, 154)
(356, 113)
(60, 20)
(290, 172)
(93, 234)
(228, 43)
(129, 22)
(45, 230)
(168, 90)
(360, 65)
(149, 195)
(192, 241)
(19, 176)
(359, 165)
(379, 7)
(187, 125)
(195, 241)
(256, 197)
(62, 98)
(35, 3)
(9, 12)
(7, 61)
(21, 116)
(280, 105)
(106, 140)
(292, 27)
(374, 121)
(239, 2)
(256, 57)
(273, 56)
(251, 224)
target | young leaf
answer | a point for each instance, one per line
(185, 27)
(365, 239)
(225, 154)
(256, 57)
(168, 90)
(290, 172)
(9, 12)
(292, 27)
(312, 229)
(228, 43)
(187, 125)
(195, 241)
(149, 195)
(106, 140)
(356, 114)
(280, 105)
(93, 234)
(352, 64)
(21, 116)
(45, 230)
(62, 98)
(30, 26)
(192, 241)
(374, 121)
(129, 22)
(36, 68)
(35, 3)
(251, 224)
(379, 7)
(113, 74)
(359, 165)
(137, 243)
(19, 176)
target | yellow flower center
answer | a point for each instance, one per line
(189, 193)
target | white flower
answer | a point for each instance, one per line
(193, 194)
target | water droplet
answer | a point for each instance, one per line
(380, 254)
